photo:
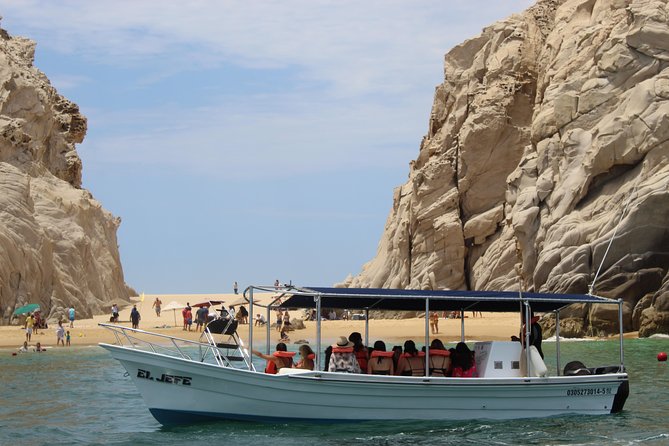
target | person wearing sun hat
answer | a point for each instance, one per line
(343, 358)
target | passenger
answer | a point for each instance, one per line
(280, 359)
(381, 361)
(535, 333)
(343, 358)
(412, 362)
(360, 350)
(328, 354)
(397, 353)
(463, 362)
(307, 357)
(440, 361)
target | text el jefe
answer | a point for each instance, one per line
(165, 378)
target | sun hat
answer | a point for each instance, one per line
(344, 342)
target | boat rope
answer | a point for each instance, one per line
(613, 236)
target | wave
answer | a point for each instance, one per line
(659, 336)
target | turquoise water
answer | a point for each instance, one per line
(81, 396)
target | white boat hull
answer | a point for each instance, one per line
(178, 390)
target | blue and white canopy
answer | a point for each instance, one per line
(439, 300)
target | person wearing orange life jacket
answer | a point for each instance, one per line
(381, 361)
(278, 360)
(412, 362)
(343, 358)
(440, 360)
(361, 353)
(307, 357)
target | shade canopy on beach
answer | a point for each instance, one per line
(26, 309)
(439, 300)
(174, 306)
(208, 303)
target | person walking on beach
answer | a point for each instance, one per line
(60, 334)
(70, 314)
(114, 310)
(235, 287)
(279, 318)
(30, 323)
(67, 338)
(135, 317)
(157, 304)
(434, 322)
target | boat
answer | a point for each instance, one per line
(184, 381)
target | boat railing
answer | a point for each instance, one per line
(172, 345)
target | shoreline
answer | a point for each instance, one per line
(86, 332)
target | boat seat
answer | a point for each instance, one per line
(222, 326)
(576, 368)
(234, 358)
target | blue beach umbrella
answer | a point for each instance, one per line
(26, 309)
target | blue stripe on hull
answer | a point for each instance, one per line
(172, 417)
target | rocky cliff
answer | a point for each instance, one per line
(57, 244)
(548, 138)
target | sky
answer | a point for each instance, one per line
(248, 141)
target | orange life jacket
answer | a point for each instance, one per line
(342, 349)
(271, 366)
(380, 354)
(361, 356)
(439, 352)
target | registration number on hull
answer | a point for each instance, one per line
(591, 391)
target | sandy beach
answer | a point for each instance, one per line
(492, 326)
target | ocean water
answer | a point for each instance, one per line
(80, 395)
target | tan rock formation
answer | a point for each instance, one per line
(57, 244)
(549, 134)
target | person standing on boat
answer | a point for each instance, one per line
(535, 333)
(343, 358)
(280, 359)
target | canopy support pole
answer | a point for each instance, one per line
(620, 323)
(317, 298)
(250, 328)
(557, 340)
(366, 330)
(427, 337)
(462, 325)
(269, 329)
(526, 335)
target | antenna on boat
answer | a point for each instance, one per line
(613, 236)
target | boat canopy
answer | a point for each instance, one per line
(440, 300)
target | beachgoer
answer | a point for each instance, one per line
(307, 357)
(535, 333)
(277, 284)
(245, 314)
(184, 314)
(463, 362)
(234, 287)
(24, 348)
(440, 361)
(60, 334)
(135, 317)
(361, 353)
(157, 304)
(260, 320)
(30, 323)
(381, 361)
(279, 318)
(200, 318)
(286, 321)
(70, 314)
(434, 322)
(114, 310)
(38, 348)
(278, 360)
(412, 362)
(67, 338)
(284, 336)
(189, 318)
(38, 321)
(343, 358)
